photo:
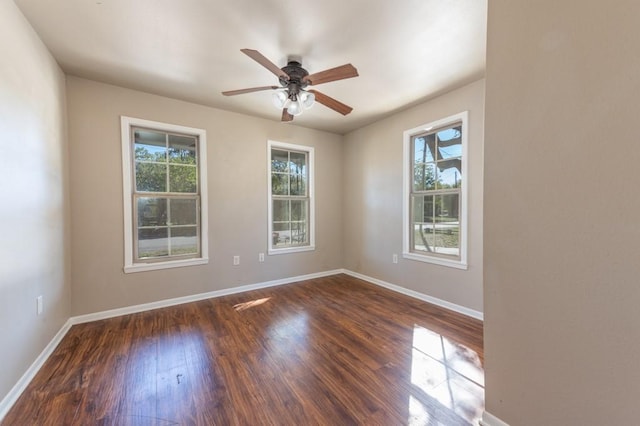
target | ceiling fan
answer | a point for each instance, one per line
(292, 95)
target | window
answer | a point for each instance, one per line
(165, 197)
(435, 192)
(291, 221)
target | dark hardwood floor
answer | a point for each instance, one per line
(328, 351)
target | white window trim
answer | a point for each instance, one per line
(127, 190)
(406, 193)
(312, 226)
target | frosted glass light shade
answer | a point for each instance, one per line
(279, 98)
(295, 108)
(307, 99)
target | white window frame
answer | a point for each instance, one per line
(408, 182)
(127, 187)
(310, 188)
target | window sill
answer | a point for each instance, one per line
(290, 250)
(142, 267)
(458, 264)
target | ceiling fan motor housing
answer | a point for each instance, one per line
(296, 75)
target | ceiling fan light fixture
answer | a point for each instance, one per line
(307, 99)
(295, 107)
(280, 98)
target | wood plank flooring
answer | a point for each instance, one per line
(328, 351)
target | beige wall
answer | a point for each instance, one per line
(373, 201)
(237, 167)
(562, 231)
(33, 200)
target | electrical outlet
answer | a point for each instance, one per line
(260, 257)
(395, 258)
(40, 304)
(236, 260)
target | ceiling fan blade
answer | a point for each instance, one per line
(252, 89)
(329, 102)
(333, 74)
(286, 116)
(262, 60)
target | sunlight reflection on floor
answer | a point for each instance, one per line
(448, 377)
(246, 305)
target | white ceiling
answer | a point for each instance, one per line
(406, 51)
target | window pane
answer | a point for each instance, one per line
(430, 146)
(151, 177)
(424, 210)
(298, 232)
(183, 212)
(152, 211)
(421, 153)
(449, 158)
(150, 145)
(423, 223)
(298, 185)
(182, 149)
(184, 240)
(280, 210)
(449, 144)
(281, 234)
(298, 210)
(449, 175)
(424, 177)
(446, 207)
(279, 161)
(417, 203)
(182, 178)
(297, 164)
(447, 220)
(281, 226)
(279, 184)
(423, 237)
(152, 243)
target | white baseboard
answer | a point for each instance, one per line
(421, 296)
(15, 392)
(489, 419)
(195, 297)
